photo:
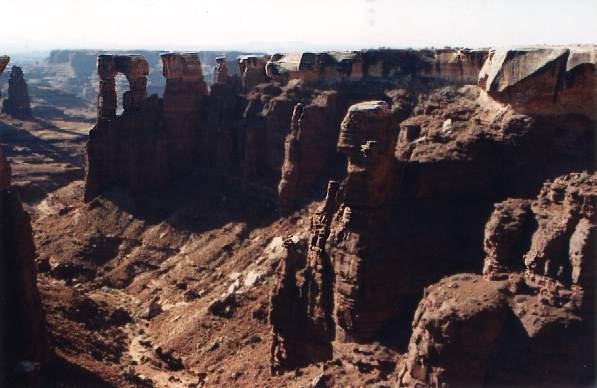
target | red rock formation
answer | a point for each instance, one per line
(186, 140)
(153, 140)
(450, 65)
(309, 149)
(508, 328)
(402, 220)
(302, 302)
(24, 345)
(241, 136)
(4, 59)
(17, 104)
(252, 70)
(134, 68)
(552, 80)
(368, 136)
(221, 71)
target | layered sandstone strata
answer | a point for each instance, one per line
(451, 65)
(154, 139)
(543, 80)
(243, 135)
(404, 218)
(242, 130)
(183, 106)
(530, 309)
(24, 345)
(17, 103)
(309, 148)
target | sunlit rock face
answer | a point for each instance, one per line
(450, 65)
(547, 81)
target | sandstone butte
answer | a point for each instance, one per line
(430, 221)
(17, 103)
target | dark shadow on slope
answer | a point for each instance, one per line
(19, 143)
(60, 373)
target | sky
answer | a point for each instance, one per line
(287, 25)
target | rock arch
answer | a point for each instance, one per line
(135, 68)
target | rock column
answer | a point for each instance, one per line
(3, 62)
(17, 104)
(221, 70)
(135, 68)
(183, 108)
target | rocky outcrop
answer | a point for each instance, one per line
(508, 328)
(299, 310)
(153, 140)
(134, 68)
(449, 65)
(24, 345)
(310, 148)
(221, 71)
(241, 130)
(367, 137)
(252, 70)
(4, 59)
(17, 104)
(75, 70)
(421, 181)
(543, 80)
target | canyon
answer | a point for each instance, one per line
(387, 217)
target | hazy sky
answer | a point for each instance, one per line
(286, 24)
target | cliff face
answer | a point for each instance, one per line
(415, 155)
(242, 124)
(553, 80)
(24, 345)
(154, 139)
(23, 334)
(81, 67)
(530, 309)
(403, 219)
(17, 104)
(451, 65)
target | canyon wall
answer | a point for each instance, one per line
(241, 125)
(23, 336)
(415, 147)
(422, 178)
(154, 139)
(80, 68)
(534, 305)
